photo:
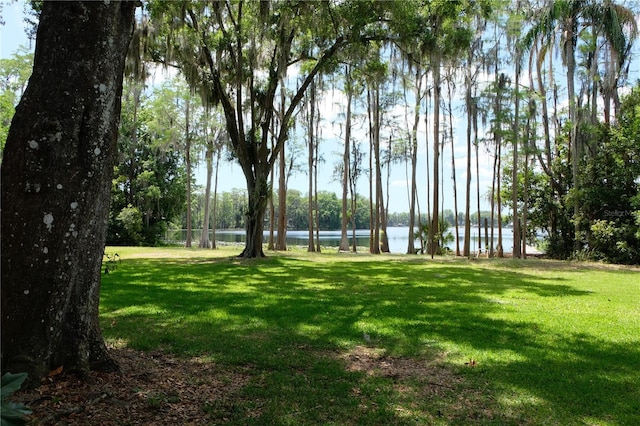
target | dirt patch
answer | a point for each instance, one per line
(426, 390)
(151, 389)
(375, 362)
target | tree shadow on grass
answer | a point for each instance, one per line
(285, 318)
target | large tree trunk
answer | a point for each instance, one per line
(56, 183)
(254, 219)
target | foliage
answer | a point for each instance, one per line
(130, 219)
(14, 74)
(12, 413)
(148, 193)
(610, 197)
(110, 262)
(149, 183)
(443, 237)
(6, 114)
(607, 196)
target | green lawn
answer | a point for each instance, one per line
(360, 339)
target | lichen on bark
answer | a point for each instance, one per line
(53, 237)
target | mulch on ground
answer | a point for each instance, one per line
(151, 389)
(154, 388)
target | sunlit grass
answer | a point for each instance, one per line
(521, 342)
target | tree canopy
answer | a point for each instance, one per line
(543, 87)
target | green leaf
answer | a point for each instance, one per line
(12, 413)
(11, 383)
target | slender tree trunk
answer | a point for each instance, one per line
(215, 201)
(477, 149)
(453, 168)
(187, 159)
(501, 84)
(573, 119)
(384, 207)
(427, 165)
(379, 204)
(413, 197)
(500, 247)
(311, 163)
(354, 243)
(413, 141)
(204, 237)
(372, 212)
(514, 173)
(315, 195)
(353, 180)
(344, 240)
(56, 184)
(281, 239)
(525, 208)
(466, 250)
(442, 221)
(435, 225)
(493, 201)
(271, 245)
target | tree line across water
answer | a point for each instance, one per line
(129, 226)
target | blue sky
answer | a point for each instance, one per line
(12, 32)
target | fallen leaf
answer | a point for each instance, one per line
(56, 372)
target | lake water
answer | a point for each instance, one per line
(398, 238)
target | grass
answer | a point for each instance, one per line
(360, 339)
